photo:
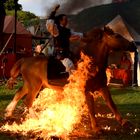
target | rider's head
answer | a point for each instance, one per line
(62, 20)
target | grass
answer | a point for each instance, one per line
(127, 100)
(6, 95)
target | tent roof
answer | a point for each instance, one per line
(9, 25)
(119, 25)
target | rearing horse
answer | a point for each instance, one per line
(97, 44)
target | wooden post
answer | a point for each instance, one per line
(15, 27)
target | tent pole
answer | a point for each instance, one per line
(135, 68)
(6, 44)
(14, 49)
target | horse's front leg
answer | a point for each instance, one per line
(19, 94)
(90, 104)
(110, 103)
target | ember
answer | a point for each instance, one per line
(57, 114)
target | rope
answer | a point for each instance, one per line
(6, 43)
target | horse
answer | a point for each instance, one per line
(96, 43)
(34, 72)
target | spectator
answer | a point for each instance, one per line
(125, 62)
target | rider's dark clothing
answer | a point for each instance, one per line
(62, 40)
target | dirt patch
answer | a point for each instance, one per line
(82, 131)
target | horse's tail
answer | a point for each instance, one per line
(14, 73)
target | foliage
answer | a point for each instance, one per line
(6, 94)
(10, 5)
(26, 17)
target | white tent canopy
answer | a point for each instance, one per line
(119, 25)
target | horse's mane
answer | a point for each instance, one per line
(97, 33)
(97, 30)
(94, 34)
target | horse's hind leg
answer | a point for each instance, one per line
(19, 94)
(90, 104)
(108, 99)
(34, 89)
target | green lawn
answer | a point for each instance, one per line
(127, 100)
(6, 95)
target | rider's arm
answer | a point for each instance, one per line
(50, 24)
(76, 35)
(52, 28)
(53, 13)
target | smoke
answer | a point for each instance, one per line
(72, 6)
(44, 7)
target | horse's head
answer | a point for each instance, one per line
(112, 40)
(116, 41)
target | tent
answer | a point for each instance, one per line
(119, 25)
(23, 37)
(23, 48)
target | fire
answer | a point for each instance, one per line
(109, 75)
(57, 113)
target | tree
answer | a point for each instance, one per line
(10, 5)
(25, 17)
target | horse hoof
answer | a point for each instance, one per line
(33, 114)
(7, 115)
(124, 122)
(98, 130)
(127, 124)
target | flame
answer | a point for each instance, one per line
(109, 75)
(57, 113)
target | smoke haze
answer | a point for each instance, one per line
(72, 6)
(44, 7)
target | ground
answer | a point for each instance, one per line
(112, 130)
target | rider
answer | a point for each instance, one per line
(57, 26)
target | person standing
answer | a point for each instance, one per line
(125, 62)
